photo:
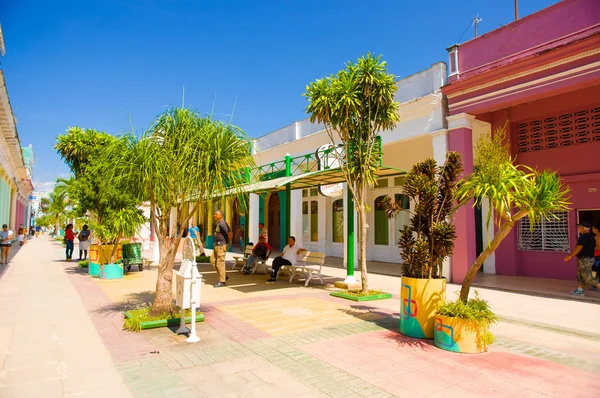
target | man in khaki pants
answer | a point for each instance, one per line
(221, 240)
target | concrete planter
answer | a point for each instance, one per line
(352, 297)
(460, 335)
(419, 301)
(111, 271)
(161, 323)
(94, 269)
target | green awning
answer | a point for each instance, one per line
(312, 180)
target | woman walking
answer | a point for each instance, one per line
(6, 236)
(84, 242)
(596, 266)
(21, 235)
(69, 238)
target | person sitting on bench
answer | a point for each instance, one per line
(288, 257)
(261, 251)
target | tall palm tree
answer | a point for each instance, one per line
(355, 106)
(514, 192)
(183, 157)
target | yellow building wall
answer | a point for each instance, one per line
(404, 154)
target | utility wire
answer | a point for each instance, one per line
(461, 36)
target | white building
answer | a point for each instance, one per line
(317, 221)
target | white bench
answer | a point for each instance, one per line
(310, 266)
(241, 260)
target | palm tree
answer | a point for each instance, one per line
(355, 106)
(183, 157)
(514, 192)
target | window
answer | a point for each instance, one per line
(305, 222)
(402, 218)
(305, 193)
(453, 59)
(398, 181)
(337, 221)
(381, 223)
(556, 131)
(314, 192)
(547, 235)
(381, 183)
(314, 221)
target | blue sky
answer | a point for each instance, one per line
(97, 64)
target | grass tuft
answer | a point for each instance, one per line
(359, 293)
(84, 264)
(203, 259)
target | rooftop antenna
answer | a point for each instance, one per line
(476, 21)
(516, 9)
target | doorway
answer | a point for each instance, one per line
(236, 224)
(274, 217)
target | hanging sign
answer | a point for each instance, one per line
(329, 160)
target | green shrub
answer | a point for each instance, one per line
(84, 264)
(203, 259)
(476, 310)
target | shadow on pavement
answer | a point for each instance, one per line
(132, 301)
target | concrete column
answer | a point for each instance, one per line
(229, 216)
(253, 211)
(461, 140)
(440, 148)
(296, 216)
(13, 209)
(209, 226)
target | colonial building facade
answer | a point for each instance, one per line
(540, 77)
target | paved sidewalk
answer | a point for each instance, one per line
(48, 344)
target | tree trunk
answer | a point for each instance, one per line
(504, 230)
(164, 282)
(364, 277)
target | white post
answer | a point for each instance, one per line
(182, 328)
(440, 148)
(196, 284)
(252, 222)
(296, 216)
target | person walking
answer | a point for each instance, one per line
(69, 238)
(596, 266)
(21, 233)
(6, 237)
(263, 231)
(84, 242)
(586, 243)
(288, 257)
(221, 240)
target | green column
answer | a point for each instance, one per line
(350, 234)
(288, 197)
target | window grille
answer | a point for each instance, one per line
(556, 131)
(550, 235)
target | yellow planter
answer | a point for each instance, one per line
(419, 301)
(100, 254)
(460, 335)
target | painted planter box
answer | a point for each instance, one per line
(419, 301)
(459, 335)
(101, 253)
(161, 323)
(94, 269)
(111, 271)
(372, 297)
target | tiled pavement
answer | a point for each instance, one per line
(296, 342)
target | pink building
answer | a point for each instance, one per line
(541, 76)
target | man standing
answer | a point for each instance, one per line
(221, 241)
(288, 257)
(263, 231)
(585, 257)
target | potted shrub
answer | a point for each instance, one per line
(426, 241)
(514, 192)
(105, 259)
